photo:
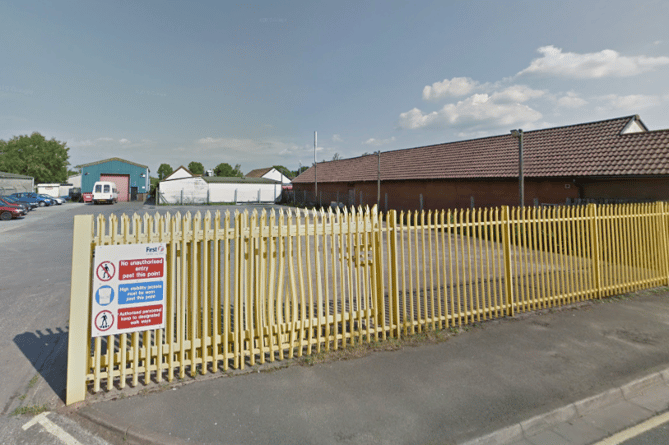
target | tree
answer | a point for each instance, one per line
(164, 171)
(225, 170)
(301, 170)
(284, 171)
(336, 157)
(196, 168)
(33, 155)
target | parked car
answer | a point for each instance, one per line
(54, 200)
(32, 197)
(75, 194)
(9, 212)
(12, 200)
(9, 202)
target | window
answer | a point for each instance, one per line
(107, 188)
(98, 188)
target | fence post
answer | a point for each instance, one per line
(663, 237)
(80, 310)
(393, 276)
(506, 242)
(377, 250)
(595, 248)
(420, 200)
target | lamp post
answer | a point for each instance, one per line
(521, 178)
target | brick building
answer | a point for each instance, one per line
(615, 159)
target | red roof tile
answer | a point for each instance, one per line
(258, 172)
(590, 149)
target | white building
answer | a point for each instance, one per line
(182, 187)
(269, 173)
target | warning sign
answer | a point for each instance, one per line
(140, 316)
(129, 289)
(105, 271)
(104, 321)
(145, 268)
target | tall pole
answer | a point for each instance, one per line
(521, 177)
(378, 179)
(315, 166)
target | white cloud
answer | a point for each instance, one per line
(89, 142)
(605, 63)
(248, 148)
(630, 103)
(516, 94)
(457, 86)
(379, 142)
(478, 110)
(123, 141)
(571, 100)
(337, 138)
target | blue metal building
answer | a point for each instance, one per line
(132, 180)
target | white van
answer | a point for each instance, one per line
(104, 191)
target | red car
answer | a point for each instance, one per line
(9, 212)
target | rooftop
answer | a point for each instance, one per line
(613, 147)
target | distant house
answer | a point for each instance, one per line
(615, 159)
(182, 187)
(269, 173)
(13, 183)
(181, 172)
(131, 179)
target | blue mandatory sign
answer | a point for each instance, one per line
(104, 295)
(140, 292)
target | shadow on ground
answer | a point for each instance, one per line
(47, 352)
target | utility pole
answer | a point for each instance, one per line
(315, 166)
(378, 180)
(521, 177)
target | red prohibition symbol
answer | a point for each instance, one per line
(104, 321)
(105, 271)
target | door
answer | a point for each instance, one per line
(122, 185)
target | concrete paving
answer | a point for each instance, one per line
(569, 376)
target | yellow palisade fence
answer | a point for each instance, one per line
(248, 288)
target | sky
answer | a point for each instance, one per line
(249, 83)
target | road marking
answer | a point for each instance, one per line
(51, 428)
(635, 430)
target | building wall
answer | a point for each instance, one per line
(75, 181)
(276, 175)
(650, 189)
(442, 194)
(197, 191)
(91, 174)
(179, 173)
(15, 185)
